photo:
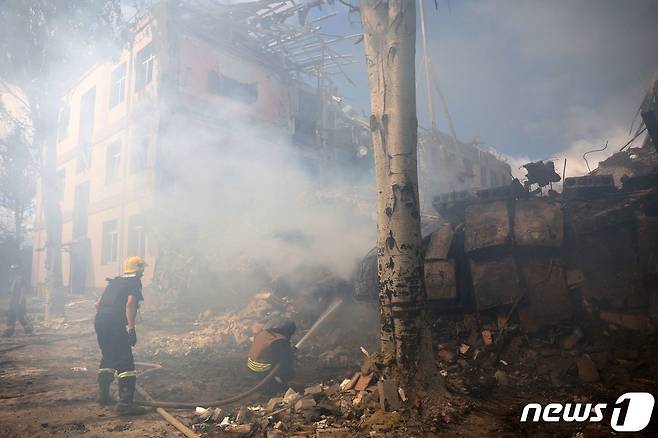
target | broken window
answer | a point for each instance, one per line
(139, 152)
(144, 67)
(112, 161)
(63, 122)
(136, 236)
(232, 88)
(110, 242)
(307, 112)
(118, 91)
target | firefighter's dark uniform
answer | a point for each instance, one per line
(17, 308)
(271, 348)
(113, 338)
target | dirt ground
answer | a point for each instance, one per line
(48, 387)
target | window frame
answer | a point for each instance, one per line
(144, 65)
(116, 98)
(110, 242)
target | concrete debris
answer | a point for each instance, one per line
(239, 428)
(304, 404)
(363, 382)
(587, 371)
(541, 173)
(333, 432)
(274, 403)
(501, 377)
(291, 396)
(487, 337)
(313, 390)
(234, 329)
(446, 355)
(572, 339)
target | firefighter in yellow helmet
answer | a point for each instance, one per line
(115, 331)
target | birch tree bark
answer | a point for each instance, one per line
(389, 41)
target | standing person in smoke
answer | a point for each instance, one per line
(17, 309)
(115, 331)
(271, 347)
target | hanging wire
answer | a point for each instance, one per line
(592, 151)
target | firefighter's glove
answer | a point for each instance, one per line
(132, 335)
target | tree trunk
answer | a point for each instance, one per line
(389, 40)
(44, 116)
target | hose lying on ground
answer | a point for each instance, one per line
(212, 404)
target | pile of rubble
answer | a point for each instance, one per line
(478, 355)
(360, 403)
(230, 330)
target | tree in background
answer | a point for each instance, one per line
(389, 29)
(18, 174)
(43, 45)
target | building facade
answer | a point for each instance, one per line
(117, 131)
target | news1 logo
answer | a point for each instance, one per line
(630, 413)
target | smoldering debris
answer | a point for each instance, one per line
(231, 332)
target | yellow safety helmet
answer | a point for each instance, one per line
(134, 264)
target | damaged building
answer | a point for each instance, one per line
(119, 145)
(447, 164)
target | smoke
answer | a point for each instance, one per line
(245, 198)
(541, 79)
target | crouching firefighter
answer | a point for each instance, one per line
(271, 347)
(115, 331)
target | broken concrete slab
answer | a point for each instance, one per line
(304, 404)
(274, 403)
(313, 390)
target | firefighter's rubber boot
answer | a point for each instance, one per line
(125, 406)
(105, 378)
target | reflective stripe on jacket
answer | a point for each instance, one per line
(261, 354)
